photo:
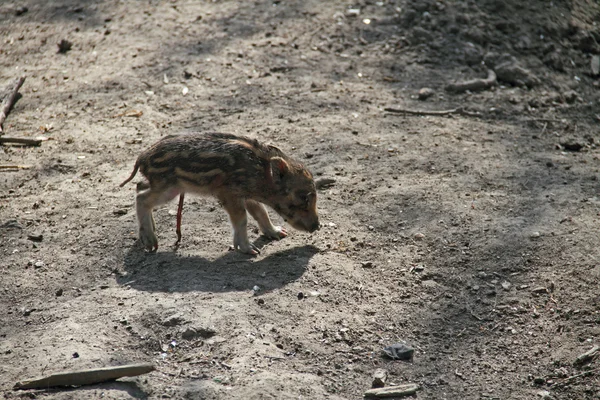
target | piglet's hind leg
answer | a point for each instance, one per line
(146, 201)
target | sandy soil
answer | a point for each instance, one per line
(471, 237)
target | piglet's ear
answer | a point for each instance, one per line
(279, 168)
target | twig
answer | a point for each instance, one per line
(591, 371)
(473, 85)
(460, 111)
(87, 377)
(13, 167)
(23, 141)
(9, 100)
(392, 391)
(587, 356)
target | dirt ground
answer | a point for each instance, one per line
(471, 237)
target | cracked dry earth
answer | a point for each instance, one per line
(472, 238)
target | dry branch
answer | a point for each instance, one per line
(392, 391)
(9, 100)
(87, 377)
(473, 85)
(13, 167)
(23, 141)
(441, 113)
(587, 356)
(586, 373)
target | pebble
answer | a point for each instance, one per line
(379, 377)
(535, 235)
(191, 333)
(367, 264)
(425, 93)
(172, 320)
(515, 74)
(21, 10)
(419, 236)
(35, 237)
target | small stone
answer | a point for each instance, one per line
(27, 312)
(192, 333)
(260, 302)
(379, 377)
(300, 295)
(59, 293)
(39, 264)
(35, 237)
(367, 264)
(539, 381)
(539, 290)
(76, 355)
(21, 10)
(425, 93)
(399, 351)
(571, 96)
(514, 74)
(506, 285)
(419, 236)
(535, 235)
(173, 320)
(571, 145)
(544, 394)
(324, 183)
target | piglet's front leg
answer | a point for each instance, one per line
(239, 220)
(260, 214)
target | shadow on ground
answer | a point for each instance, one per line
(170, 272)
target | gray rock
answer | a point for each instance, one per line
(173, 320)
(191, 333)
(515, 75)
(425, 93)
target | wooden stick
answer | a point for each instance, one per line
(179, 214)
(13, 167)
(473, 85)
(23, 141)
(9, 100)
(459, 110)
(392, 391)
(587, 356)
(87, 377)
(591, 371)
